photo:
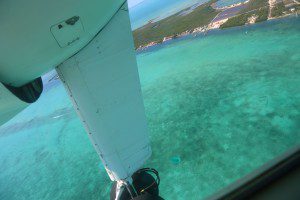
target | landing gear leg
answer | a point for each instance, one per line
(141, 186)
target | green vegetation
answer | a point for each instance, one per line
(288, 2)
(296, 7)
(255, 4)
(258, 8)
(290, 5)
(201, 16)
(174, 25)
(239, 20)
(278, 10)
(262, 14)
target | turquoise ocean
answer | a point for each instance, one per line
(218, 107)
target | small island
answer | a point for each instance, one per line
(200, 18)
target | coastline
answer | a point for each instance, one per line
(214, 25)
(209, 32)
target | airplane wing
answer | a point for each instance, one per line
(103, 83)
(91, 46)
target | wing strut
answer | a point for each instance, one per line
(103, 83)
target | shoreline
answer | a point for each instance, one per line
(224, 17)
(203, 31)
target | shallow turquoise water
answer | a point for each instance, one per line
(218, 107)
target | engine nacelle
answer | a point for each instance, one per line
(14, 99)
